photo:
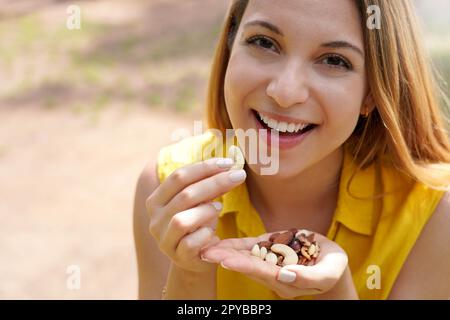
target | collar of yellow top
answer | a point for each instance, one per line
(355, 213)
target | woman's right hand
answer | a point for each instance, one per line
(182, 216)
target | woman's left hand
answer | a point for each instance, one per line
(328, 274)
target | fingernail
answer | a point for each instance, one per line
(286, 276)
(224, 163)
(205, 259)
(237, 176)
(223, 266)
(217, 205)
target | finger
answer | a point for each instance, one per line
(206, 190)
(240, 261)
(191, 244)
(241, 243)
(212, 223)
(185, 176)
(186, 222)
(217, 254)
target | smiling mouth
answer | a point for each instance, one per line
(283, 128)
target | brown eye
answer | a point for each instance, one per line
(262, 42)
(336, 61)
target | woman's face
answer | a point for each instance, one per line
(296, 62)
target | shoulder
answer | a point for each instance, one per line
(441, 217)
(427, 265)
(148, 179)
(147, 182)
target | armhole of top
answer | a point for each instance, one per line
(160, 164)
(439, 195)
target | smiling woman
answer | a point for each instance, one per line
(364, 162)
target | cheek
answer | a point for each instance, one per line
(242, 78)
(235, 91)
(231, 87)
(341, 103)
(232, 94)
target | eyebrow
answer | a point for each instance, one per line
(332, 44)
(266, 25)
(343, 44)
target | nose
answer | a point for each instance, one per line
(289, 87)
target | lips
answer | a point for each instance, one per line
(301, 129)
(286, 140)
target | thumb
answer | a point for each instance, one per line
(318, 277)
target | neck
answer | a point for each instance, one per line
(307, 199)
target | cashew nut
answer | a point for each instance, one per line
(256, 251)
(235, 153)
(271, 258)
(290, 257)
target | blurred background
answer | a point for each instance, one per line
(81, 113)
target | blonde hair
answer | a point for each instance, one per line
(406, 126)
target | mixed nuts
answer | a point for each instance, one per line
(287, 248)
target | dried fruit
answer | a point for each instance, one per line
(295, 245)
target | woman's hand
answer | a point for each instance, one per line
(327, 275)
(182, 218)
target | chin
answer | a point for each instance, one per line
(283, 171)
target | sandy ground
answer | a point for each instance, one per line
(81, 113)
(67, 192)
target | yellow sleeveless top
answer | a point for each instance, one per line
(377, 232)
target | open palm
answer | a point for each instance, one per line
(290, 281)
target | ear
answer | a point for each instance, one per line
(368, 105)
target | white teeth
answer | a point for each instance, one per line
(291, 127)
(282, 126)
(272, 124)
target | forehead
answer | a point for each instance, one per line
(321, 18)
